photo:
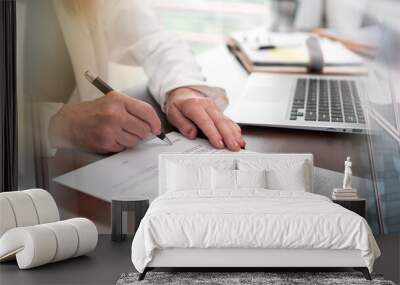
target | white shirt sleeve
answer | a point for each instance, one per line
(135, 37)
(45, 111)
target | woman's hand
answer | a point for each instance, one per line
(108, 124)
(187, 109)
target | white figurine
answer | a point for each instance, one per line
(347, 174)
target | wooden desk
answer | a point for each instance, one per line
(329, 149)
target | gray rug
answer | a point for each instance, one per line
(243, 278)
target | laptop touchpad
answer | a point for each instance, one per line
(268, 89)
(265, 94)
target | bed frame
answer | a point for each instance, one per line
(259, 259)
(242, 259)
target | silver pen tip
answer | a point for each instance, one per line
(166, 139)
(90, 76)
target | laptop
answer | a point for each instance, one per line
(324, 103)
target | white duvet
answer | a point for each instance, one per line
(250, 219)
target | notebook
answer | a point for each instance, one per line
(288, 53)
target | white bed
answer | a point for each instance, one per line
(210, 226)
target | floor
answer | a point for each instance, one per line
(389, 263)
(103, 266)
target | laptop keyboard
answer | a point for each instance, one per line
(326, 100)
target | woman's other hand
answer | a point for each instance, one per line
(187, 109)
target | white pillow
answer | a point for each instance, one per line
(182, 177)
(223, 179)
(287, 179)
(251, 178)
(226, 179)
(281, 174)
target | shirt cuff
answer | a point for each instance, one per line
(45, 112)
(216, 93)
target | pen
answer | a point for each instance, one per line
(266, 47)
(105, 88)
(271, 46)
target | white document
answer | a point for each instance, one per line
(132, 173)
